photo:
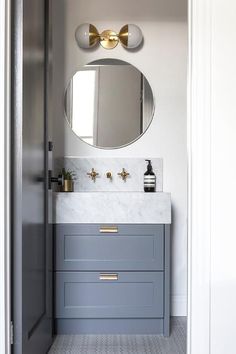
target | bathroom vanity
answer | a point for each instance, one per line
(111, 240)
(112, 262)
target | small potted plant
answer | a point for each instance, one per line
(69, 177)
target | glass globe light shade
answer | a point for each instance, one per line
(86, 35)
(130, 36)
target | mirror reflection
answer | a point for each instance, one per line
(109, 103)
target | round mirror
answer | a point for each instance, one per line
(109, 103)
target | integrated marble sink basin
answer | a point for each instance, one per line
(112, 207)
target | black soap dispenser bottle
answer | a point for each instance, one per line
(149, 178)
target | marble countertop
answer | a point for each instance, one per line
(112, 207)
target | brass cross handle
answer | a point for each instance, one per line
(93, 174)
(124, 174)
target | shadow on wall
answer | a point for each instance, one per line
(163, 10)
(58, 46)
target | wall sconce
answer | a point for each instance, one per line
(88, 36)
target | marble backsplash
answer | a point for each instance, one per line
(134, 166)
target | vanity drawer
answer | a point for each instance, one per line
(94, 247)
(109, 295)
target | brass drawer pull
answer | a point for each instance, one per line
(109, 229)
(108, 276)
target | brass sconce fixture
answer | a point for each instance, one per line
(87, 36)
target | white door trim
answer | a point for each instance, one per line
(199, 176)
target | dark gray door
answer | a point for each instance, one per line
(32, 279)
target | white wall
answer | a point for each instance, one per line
(163, 60)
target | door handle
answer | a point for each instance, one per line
(59, 180)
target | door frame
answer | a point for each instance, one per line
(199, 132)
(199, 175)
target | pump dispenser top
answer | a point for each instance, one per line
(149, 166)
(149, 178)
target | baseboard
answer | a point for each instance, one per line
(110, 326)
(178, 305)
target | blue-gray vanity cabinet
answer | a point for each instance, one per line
(112, 278)
(87, 247)
(90, 295)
